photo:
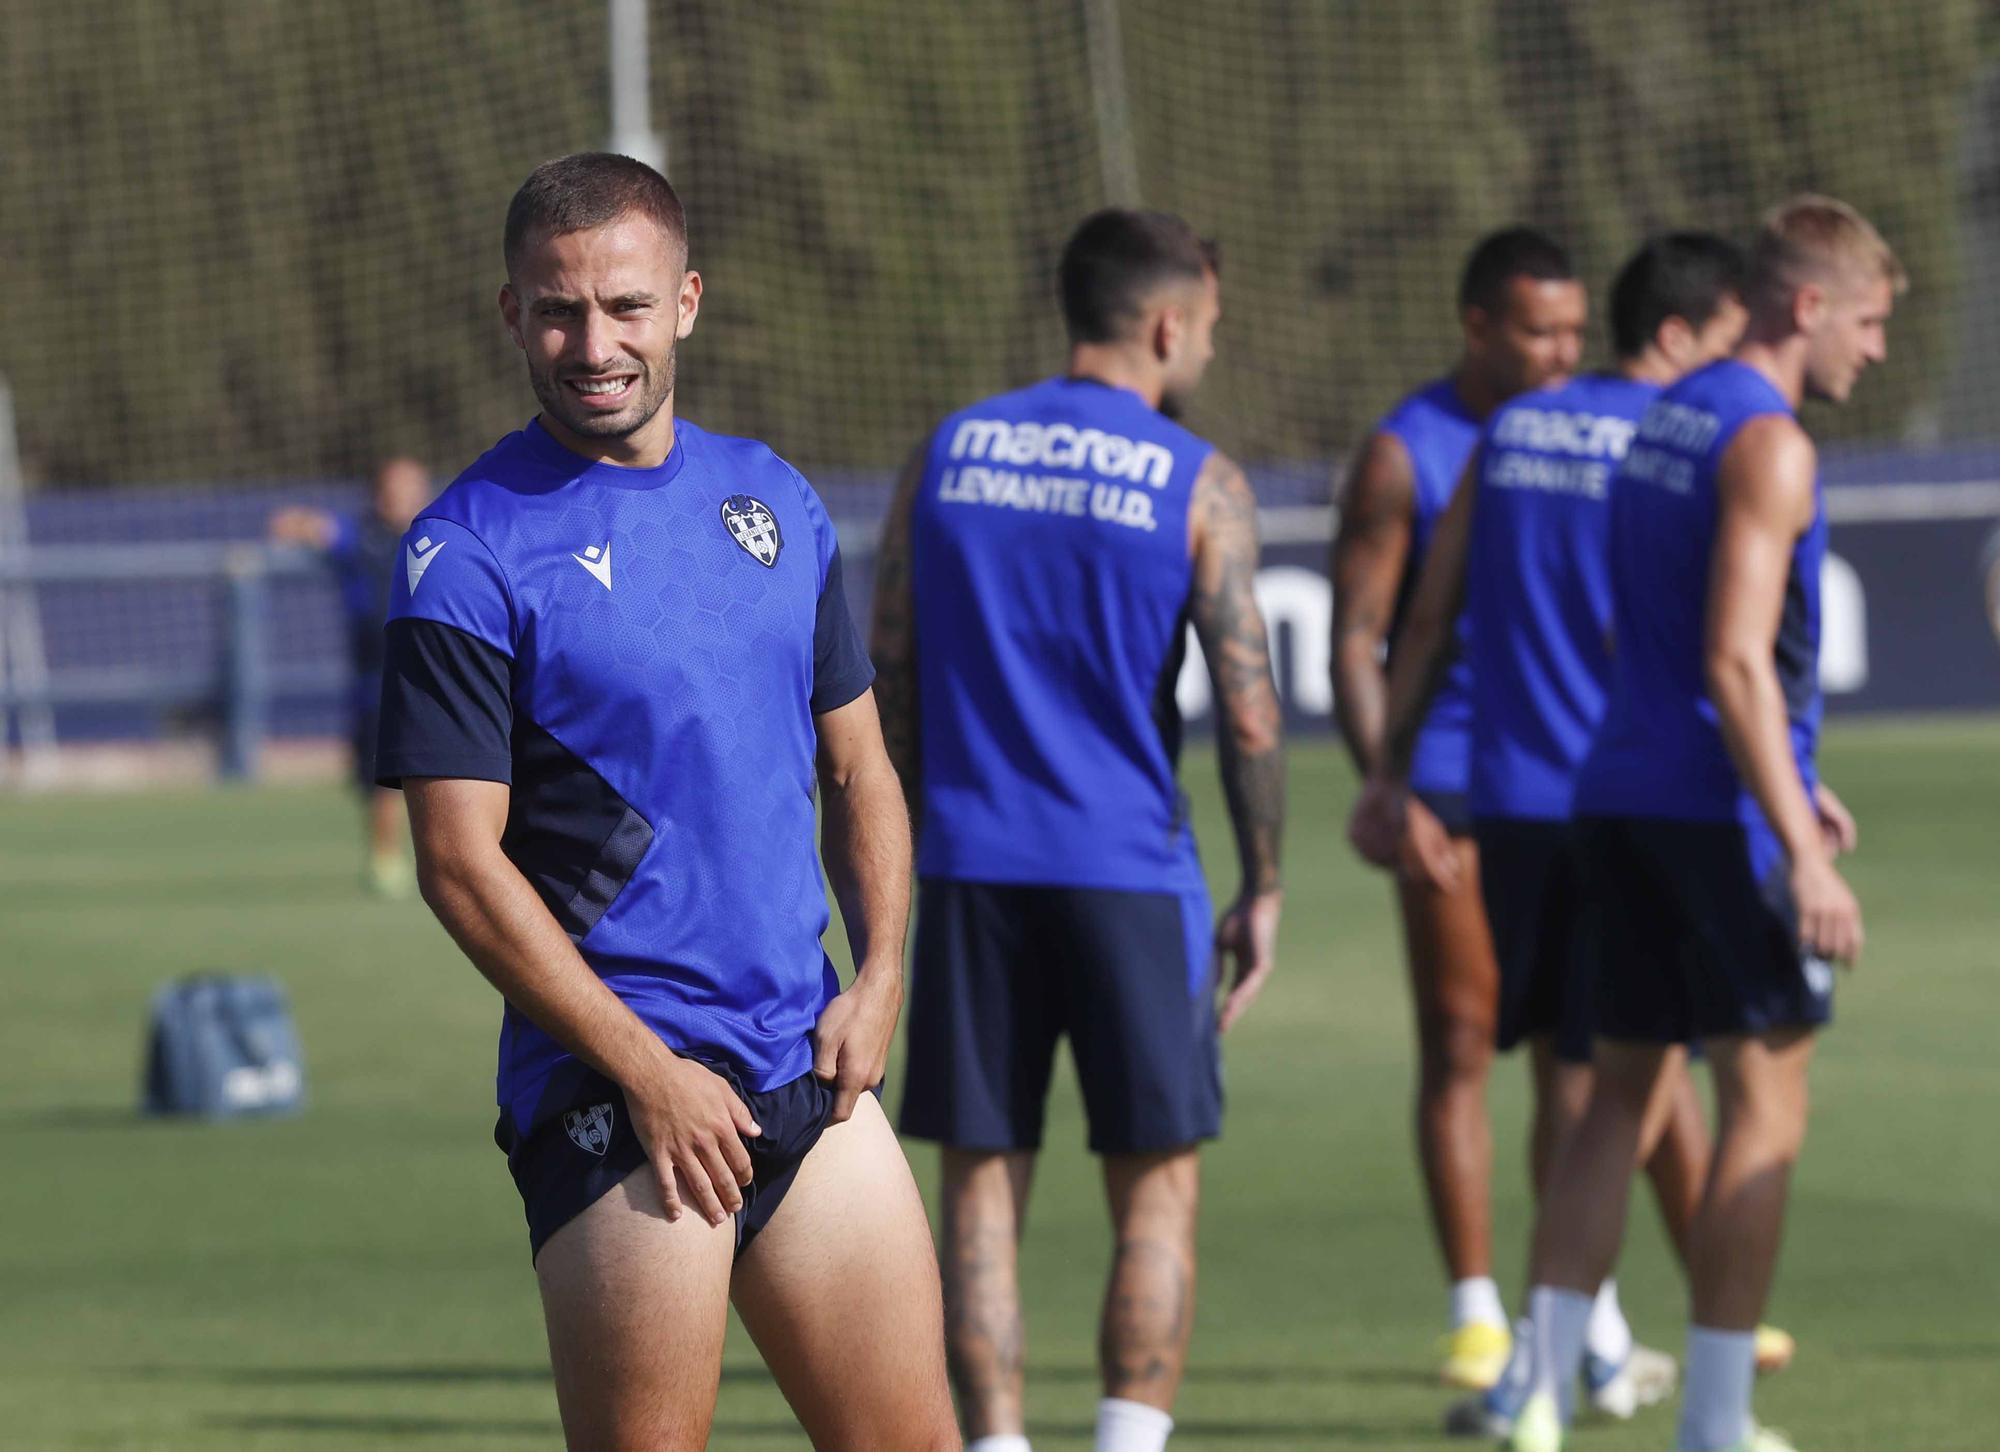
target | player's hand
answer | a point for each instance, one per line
(851, 1040)
(1375, 825)
(1425, 851)
(1829, 916)
(693, 1127)
(1247, 937)
(1836, 823)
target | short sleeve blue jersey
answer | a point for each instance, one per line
(657, 645)
(1660, 752)
(1438, 432)
(1538, 590)
(1050, 577)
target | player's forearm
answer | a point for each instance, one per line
(1750, 706)
(865, 841)
(1360, 700)
(1252, 751)
(1423, 653)
(501, 924)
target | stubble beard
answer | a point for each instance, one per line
(652, 390)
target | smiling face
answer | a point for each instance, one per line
(598, 313)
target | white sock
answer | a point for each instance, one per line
(1715, 1410)
(1561, 1321)
(1610, 1336)
(1000, 1442)
(1476, 1301)
(1124, 1426)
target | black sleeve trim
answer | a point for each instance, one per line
(447, 705)
(841, 668)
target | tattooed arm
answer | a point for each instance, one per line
(1369, 552)
(892, 639)
(1222, 527)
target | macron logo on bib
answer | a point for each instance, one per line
(417, 558)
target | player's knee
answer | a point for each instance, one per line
(1454, 1048)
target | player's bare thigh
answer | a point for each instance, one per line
(636, 1310)
(840, 1292)
(1453, 972)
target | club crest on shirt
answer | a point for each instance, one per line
(754, 527)
(590, 1128)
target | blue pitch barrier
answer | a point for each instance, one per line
(162, 612)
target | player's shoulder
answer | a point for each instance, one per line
(522, 467)
(739, 457)
(1425, 407)
(744, 465)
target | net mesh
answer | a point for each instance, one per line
(245, 240)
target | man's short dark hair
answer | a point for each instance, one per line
(1685, 275)
(585, 190)
(1502, 256)
(1117, 259)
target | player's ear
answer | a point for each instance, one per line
(510, 313)
(1808, 307)
(1477, 324)
(689, 304)
(1169, 331)
(1676, 341)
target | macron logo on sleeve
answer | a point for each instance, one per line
(417, 558)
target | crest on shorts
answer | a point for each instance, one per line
(753, 526)
(590, 1128)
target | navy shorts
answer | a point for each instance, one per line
(1449, 808)
(1002, 972)
(579, 1147)
(1700, 936)
(1531, 878)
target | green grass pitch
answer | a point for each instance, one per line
(358, 1278)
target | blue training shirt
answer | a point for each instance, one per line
(1439, 433)
(1050, 577)
(1538, 590)
(640, 654)
(1660, 751)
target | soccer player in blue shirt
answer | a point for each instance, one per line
(1711, 837)
(619, 663)
(363, 551)
(1519, 575)
(1048, 549)
(1522, 313)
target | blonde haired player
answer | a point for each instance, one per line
(1712, 839)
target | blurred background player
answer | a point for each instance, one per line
(1521, 558)
(1711, 839)
(612, 775)
(1046, 553)
(1522, 312)
(362, 551)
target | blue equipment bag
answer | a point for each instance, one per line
(223, 1046)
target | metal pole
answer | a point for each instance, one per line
(632, 132)
(24, 667)
(1117, 158)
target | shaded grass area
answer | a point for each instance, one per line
(358, 1277)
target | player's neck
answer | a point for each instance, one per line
(1650, 366)
(1116, 368)
(1781, 359)
(1478, 395)
(646, 448)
